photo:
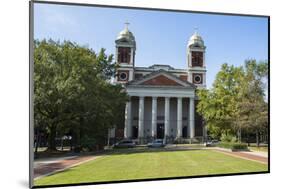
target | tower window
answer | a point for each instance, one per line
(124, 54)
(197, 59)
(123, 75)
(197, 78)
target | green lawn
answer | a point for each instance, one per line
(152, 164)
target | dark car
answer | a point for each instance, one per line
(156, 143)
(125, 144)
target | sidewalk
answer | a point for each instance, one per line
(253, 156)
(49, 166)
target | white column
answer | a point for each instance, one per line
(128, 120)
(154, 117)
(191, 118)
(205, 132)
(167, 116)
(179, 118)
(204, 79)
(131, 75)
(204, 64)
(132, 56)
(141, 116)
(189, 57)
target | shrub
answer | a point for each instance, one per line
(234, 139)
(233, 146)
(88, 144)
(228, 138)
(187, 141)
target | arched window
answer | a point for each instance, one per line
(124, 54)
(197, 59)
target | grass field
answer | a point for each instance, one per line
(123, 165)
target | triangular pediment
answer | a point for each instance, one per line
(161, 78)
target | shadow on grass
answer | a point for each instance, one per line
(47, 168)
(128, 151)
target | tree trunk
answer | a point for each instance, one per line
(248, 140)
(36, 144)
(77, 140)
(61, 143)
(257, 139)
(52, 139)
(71, 145)
(239, 135)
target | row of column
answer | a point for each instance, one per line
(128, 119)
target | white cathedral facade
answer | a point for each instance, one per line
(162, 99)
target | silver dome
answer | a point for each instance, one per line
(196, 40)
(126, 36)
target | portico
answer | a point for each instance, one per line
(162, 99)
(173, 121)
(153, 108)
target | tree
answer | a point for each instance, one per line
(218, 105)
(253, 108)
(72, 91)
(236, 101)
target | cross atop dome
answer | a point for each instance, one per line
(126, 35)
(196, 39)
(127, 25)
(196, 30)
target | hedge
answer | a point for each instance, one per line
(233, 146)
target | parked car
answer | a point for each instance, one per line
(125, 144)
(156, 143)
(211, 143)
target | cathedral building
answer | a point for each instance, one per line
(162, 99)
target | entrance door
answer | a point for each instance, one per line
(135, 132)
(160, 130)
(184, 132)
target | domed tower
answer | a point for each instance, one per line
(196, 66)
(125, 55)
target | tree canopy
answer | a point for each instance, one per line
(237, 99)
(73, 93)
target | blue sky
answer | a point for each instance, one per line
(161, 36)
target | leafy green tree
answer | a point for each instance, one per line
(236, 101)
(253, 107)
(72, 91)
(218, 105)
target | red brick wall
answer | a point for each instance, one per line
(161, 80)
(119, 133)
(183, 77)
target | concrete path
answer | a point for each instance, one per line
(49, 166)
(263, 154)
(246, 155)
(261, 157)
(38, 162)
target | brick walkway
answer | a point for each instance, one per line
(245, 155)
(43, 169)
